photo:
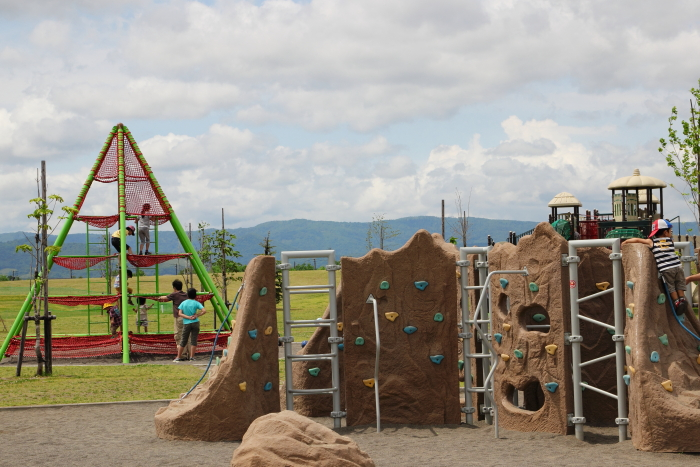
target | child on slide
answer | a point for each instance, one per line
(667, 261)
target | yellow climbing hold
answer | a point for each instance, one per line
(602, 285)
(668, 385)
(233, 325)
(369, 382)
(391, 316)
(242, 386)
(631, 370)
(340, 326)
(506, 327)
(505, 357)
(631, 307)
(551, 349)
(268, 330)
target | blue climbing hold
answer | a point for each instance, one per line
(253, 334)
(341, 346)
(504, 283)
(303, 344)
(611, 332)
(627, 379)
(436, 358)
(314, 371)
(681, 318)
(360, 341)
(460, 364)
(255, 356)
(539, 317)
(628, 349)
(654, 357)
(410, 329)
(498, 336)
(630, 284)
(421, 285)
(551, 387)
(268, 386)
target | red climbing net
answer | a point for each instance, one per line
(145, 261)
(80, 262)
(102, 222)
(77, 300)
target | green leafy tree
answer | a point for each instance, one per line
(379, 232)
(682, 151)
(215, 251)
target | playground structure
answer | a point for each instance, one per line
(120, 161)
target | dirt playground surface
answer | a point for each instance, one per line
(124, 435)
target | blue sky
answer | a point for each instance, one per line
(334, 110)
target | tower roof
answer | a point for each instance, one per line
(636, 180)
(563, 200)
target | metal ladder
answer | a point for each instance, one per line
(100, 279)
(331, 322)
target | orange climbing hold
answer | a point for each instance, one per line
(506, 327)
(505, 357)
(668, 385)
(631, 370)
(602, 285)
(369, 382)
(391, 316)
(551, 349)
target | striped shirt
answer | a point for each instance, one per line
(664, 252)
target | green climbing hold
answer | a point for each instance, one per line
(629, 313)
(498, 336)
(611, 332)
(539, 317)
(518, 353)
(582, 388)
(255, 356)
(410, 329)
(268, 386)
(437, 359)
(360, 341)
(630, 284)
(384, 285)
(314, 371)
(627, 379)
(628, 349)
(218, 361)
(551, 387)
(661, 299)
(534, 287)
(664, 339)
(438, 317)
(504, 283)
(263, 291)
(654, 357)
(681, 318)
(421, 285)
(460, 364)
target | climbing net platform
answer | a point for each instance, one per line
(80, 262)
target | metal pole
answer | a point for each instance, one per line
(333, 314)
(575, 343)
(122, 241)
(484, 309)
(618, 300)
(443, 219)
(286, 318)
(373, 301)
(466, 337)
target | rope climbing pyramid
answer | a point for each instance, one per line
(121, 161)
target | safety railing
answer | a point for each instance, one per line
(373, 301)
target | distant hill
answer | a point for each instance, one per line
(347, 238)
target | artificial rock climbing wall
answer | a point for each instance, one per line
(533, 383)
(663, 364)
(246, 383)
(416, 291)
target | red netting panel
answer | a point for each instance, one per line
(138, 186)
(71, 347)
(160, 220)
(80, 262)
(204, 298)
(108, 170)
(164, 344)
(76, 300)
(145, 261)
(101, 222)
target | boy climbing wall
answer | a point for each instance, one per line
(667, 261)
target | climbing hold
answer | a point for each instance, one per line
(421, 285)
(630, 284)
(460, 363)
(698, 348)
(228, 341)
(602, 285)
(629, 313)
(611, 332)
(255, 356)
(341, 346)
(668, 385)
(436, 358)
(631, 370)
(268, 330)
(303, 344)
(233, 324)
(539, 317)
(631, 307)
(263, 291)
(551, 349)
(506, 327)
(518, 353)
(225, 352)
(698, 359)
(339, 326)
(391, 316)
(661, 299)
(505, 357)
(360, 341)
(551, 387)
(314, 371)
(268, 386)
(628, 349)
(369, 382)
(218, 361)
(410, 329)
(384, 285)
(654, 357)
(681, 318)
(504, 283)
(533, 287)
(498, 337)
(438, 317)
(664, 339)
(627, 379)
(253, 334)
(242, 386)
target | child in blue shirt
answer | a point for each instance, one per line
(190, 311)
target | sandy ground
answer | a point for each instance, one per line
(124, 435)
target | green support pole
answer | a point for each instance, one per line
(14, 329)
(122, 241)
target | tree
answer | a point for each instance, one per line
(683, 154)
(379, 232)
(460, 227)
(269, 250)
(215, 249)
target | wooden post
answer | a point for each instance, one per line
(443, 219)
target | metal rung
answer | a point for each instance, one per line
(467, 410)
(311, 391)
(478, 390)
(599, 391)
(299, 292)
(595, 295)
(322, 325)
(473, 287)
(478, 355)
(310, 321)
(594, 321)
(306, 357)
(304, 287)
(596, 360)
